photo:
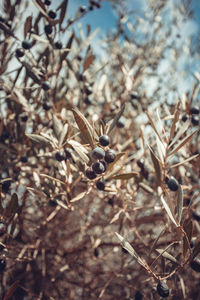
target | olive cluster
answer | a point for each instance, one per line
(194, 112)
(102, 159)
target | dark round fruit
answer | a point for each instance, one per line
(48, 29)
(68, 154)
(2, 264)
(88, 89)
(27, 44)
(194, 110)
(96, 252)
(87, 101)
(58, 45)
(134, 95)
(195, 264)
(98, 167)
(184, 118)
(60, 155)
(45, 85)
(145, 173)
(52, 14)
(24, 117)
(104, 140)
(138, 295)
(52, 203)
(23, 159)
(196, 216)
(192, 243)
(98, 153)
(82, 9)
(47, 2)
(90, 173)
(162, 289)
(2, 228)
(173, 184)
(100, 184)
(124, 250)
(195, 120)
(46, 106)
(19, 53)
(110, 156)
(6, 186)
(121, 122)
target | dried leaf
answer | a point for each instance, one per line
(180, 203)
(145, 187)
(184, 161)
(153, 125)
(38, 138)
(27, 25)
(63, 7)
(40, 5)
(156, 164)
(68, 46)
(116, 118)
(60, 203)
(80, 150)
(156, 240)
(187, 226)
(12, 207)
(182, 143)
(196, 250)
(126, 245)
(175, 120)
(166, 206)
(1, 207)
(116, 216)
(63, 134)
(11, 290)
(80, 196)
(125, 176)
(84, 127)
(57, 126)
(165, 254)
(22, 100)
(88, 61)
(180, 132)
(118, 156)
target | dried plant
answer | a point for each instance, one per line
(99, 175)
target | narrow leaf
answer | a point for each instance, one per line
(125, 176)
(38, 138)
(88, 61)
(80, 150)
(118, 156)
(1, 206)
(63, 11)
(196, 250)
(156, 164)
(187, 226)
(116, 216)
(116, 118)
(156, 241)
(57, 126)
(165, 254)
(180, 132)
(180, 203)
(146, 188)
(184, 161)
(126, 245)
(84, 126)
(63, 134)
(27, 25)
(166, 207)
(79, 196)
(182, 143)
(11, 290)
(153, 125)
(176, 118)
(13, 206)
